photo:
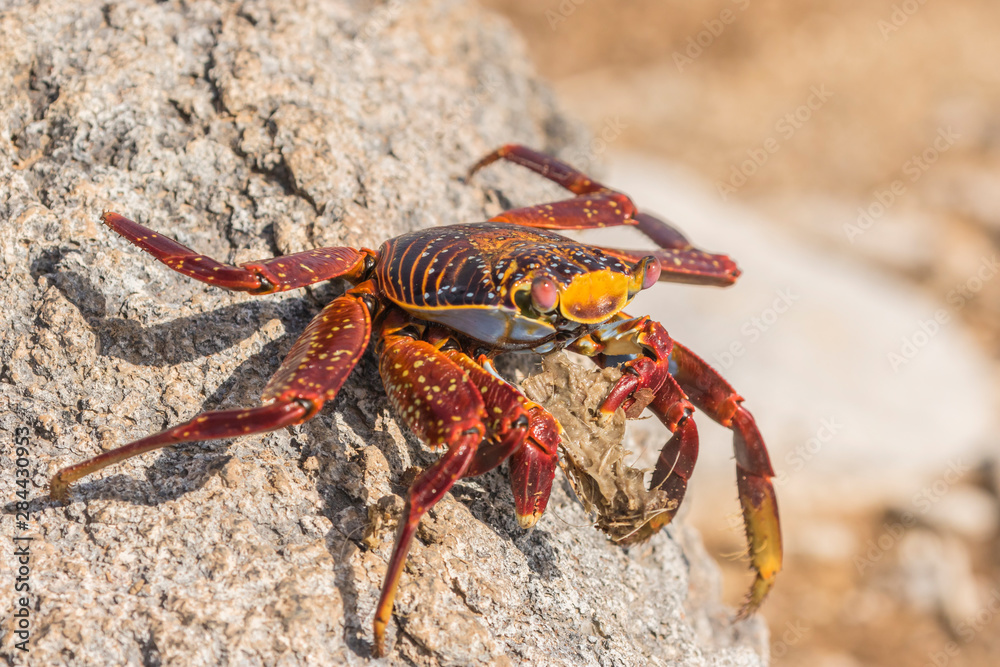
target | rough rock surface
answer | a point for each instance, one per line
(247, 130)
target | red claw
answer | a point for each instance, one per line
(533, 467)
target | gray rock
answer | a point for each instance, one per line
(249, 130)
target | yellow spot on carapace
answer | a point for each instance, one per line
(593, 297)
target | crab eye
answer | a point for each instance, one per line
(544, 294)
(652, 272)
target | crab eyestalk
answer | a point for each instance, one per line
(544, 294)
(644, 275)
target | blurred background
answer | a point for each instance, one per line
(848, 156)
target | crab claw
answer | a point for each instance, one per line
(533, 466)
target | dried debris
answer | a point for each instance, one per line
(593, 457)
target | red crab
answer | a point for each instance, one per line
(444, 302)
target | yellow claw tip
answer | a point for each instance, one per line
(527, 521)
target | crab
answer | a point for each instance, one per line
(442, 304)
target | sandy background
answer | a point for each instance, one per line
(850, 154)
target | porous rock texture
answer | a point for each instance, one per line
(247, 130)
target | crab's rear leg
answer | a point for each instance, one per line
(312, 373)
(555, 170)
(597, 205)
(263, 277)
(680, 261)
(712, 394)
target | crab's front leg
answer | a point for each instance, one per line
(670, 370)
(646, 382)
(449, 401)
(533, 449)
(533, 463)
(439, 403)
(712, 394)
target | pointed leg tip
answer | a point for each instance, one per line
(378, 647)
(758, 592)
(528, 521)
(58, 490)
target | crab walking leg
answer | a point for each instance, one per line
(206, 426)
(605, 209)
(506, 415)
(264, 277)
(313, 372)
(679, 260)
(597, 205)
(555, 170)
(327, 351)
(520, 430)
(533, 464)
(444, 408)
(712, 394)
(425, 492)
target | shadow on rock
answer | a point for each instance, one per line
(181, 340)
(186, 467)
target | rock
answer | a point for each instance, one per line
(245, 131)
